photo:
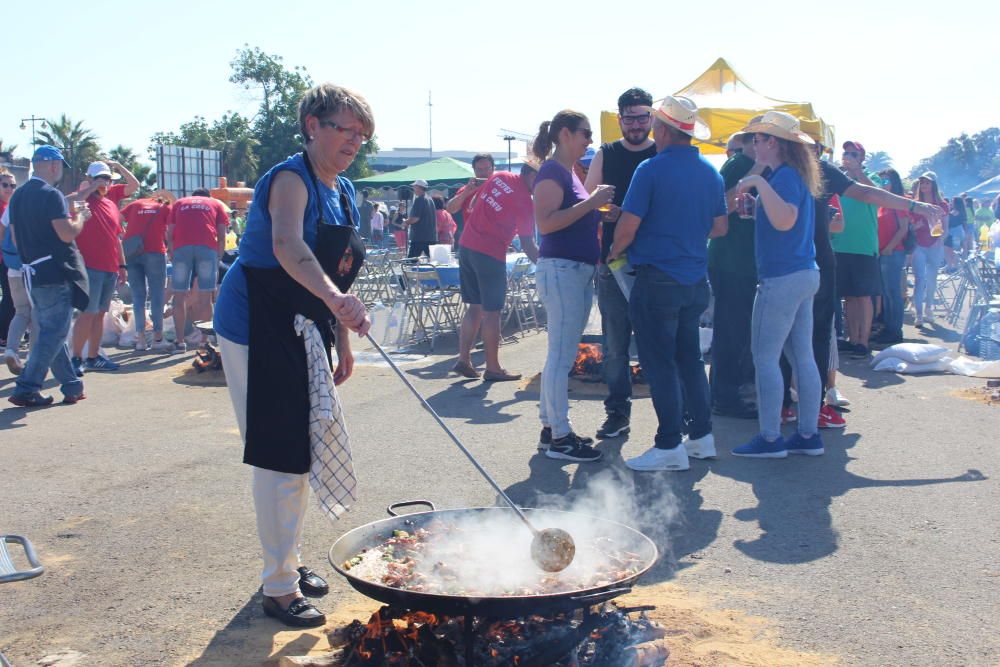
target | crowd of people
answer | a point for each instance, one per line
(71, 253)
(800, 256)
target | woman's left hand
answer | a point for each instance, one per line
(749, 182)
(345, 358)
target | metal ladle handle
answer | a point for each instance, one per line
(451, 435)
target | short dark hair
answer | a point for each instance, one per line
(365, 193)
(483, 156)
(201, 192)
(634, 97)
(438, 202)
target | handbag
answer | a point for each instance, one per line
(132, 246)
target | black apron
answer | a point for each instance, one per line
(277, 427)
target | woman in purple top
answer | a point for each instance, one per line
(568, 220)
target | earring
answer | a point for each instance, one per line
(311, 137)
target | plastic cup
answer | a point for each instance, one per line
(746, 206)
(937, 229)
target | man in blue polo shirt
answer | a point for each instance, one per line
(675, 203)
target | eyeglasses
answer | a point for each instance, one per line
(853, 154)
(585, 131)
(640, 119)
(348, 133)
(8, 185)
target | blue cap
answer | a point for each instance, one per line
(588, 156)
(48, 154)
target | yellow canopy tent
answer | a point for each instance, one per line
(726, 103)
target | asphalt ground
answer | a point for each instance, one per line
(885, 551)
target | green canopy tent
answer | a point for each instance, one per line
(444, 171)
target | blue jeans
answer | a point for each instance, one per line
(151, 268)
(926, 263)
(783, 320)
(892, 292)
(617, 329)
(665, 315)
(566, 288)
(54, 312)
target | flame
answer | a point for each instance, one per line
(588, 359)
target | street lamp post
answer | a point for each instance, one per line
(32, 120)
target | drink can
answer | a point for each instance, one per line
(746, 206)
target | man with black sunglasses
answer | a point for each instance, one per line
(614, 164)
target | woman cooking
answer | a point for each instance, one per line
(288, 267)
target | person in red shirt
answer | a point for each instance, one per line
(101, 247)
(196, 236)
(460, 206)
(147, 270)
(446, 225)
(502, 209)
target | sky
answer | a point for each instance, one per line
(902, 78)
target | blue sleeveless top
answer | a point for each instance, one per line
(256, 247)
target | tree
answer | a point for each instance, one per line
(276, 124)
(232, 135)
(878, 160)
(359, 168)
(964, 161)
(78, 144)
(7, 151)
(143, 172)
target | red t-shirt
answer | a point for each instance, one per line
(502, 210)
(195, 219)
(887, 218)
(923, 230)
(99, 242)
(147, 217)
(469, 203)
(446, 226)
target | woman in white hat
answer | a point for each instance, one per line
(788, 278)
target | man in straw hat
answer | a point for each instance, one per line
(675, 202)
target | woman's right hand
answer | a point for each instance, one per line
(350, 311)
(602, 194)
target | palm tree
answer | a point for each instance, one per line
(878, 160)
(143, 172)
(7, 152)
(79, 144)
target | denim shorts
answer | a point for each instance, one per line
(195, 260)
(102, 288)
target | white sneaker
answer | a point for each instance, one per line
(929, 318)
(836, 399)
(162, 345)
(141, 345)
(180, 348)
(793, 394)
(660, 459)
(918, 322)
(194, 339)
(13, 361)
(701, 448)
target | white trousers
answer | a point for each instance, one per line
(279, 498)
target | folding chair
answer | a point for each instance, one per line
(432, 305)
(9, 572)
(520, 303)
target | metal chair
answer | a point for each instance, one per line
(432, 306)
(9, 571)
(520, 303)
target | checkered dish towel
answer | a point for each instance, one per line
(331, 473)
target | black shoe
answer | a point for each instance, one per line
(614, 426)
(844, 345)
(35, 400)
(860, 352)
(545, 439)
(572, 448)
(311, 584)
(300, 614)
(737, 410)
(77, 363)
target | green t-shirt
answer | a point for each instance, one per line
(734, 252)
(860, 235)
(984, 216)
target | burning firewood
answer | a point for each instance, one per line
(647, 654)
